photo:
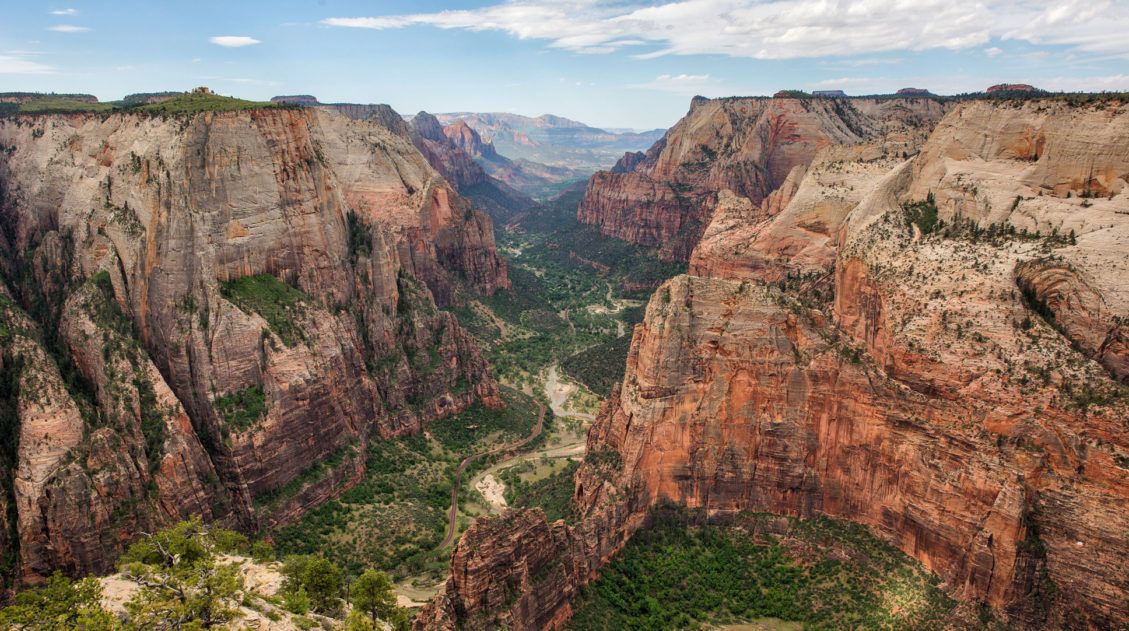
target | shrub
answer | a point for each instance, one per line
(277, 302)
(922, 214)
(297, 601)
(59, 604)
(241, 409)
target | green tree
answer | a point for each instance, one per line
(321, 579)
(358, 621)
(297, 601)
(182, 585)
(196, 597)
(372, 593)
(59, 604)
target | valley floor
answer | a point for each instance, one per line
(537, 337)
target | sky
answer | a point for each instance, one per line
(612, 63)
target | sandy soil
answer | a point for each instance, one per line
(493, 490)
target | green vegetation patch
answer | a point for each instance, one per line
(682, 573)
(192, 103)
(280, 304)
(570, 244)
(922, 214)
(553, 494)
(601, 367)
(61, 105)
(395, 518)
(241, 409)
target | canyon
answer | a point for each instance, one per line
(916, 324)
(569, 148)
(907, 313)
(211, 314)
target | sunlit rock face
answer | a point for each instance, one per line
(931, 346)
(665, 199)
(121, 236)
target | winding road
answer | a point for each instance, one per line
(453, 512)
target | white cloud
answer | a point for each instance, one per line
(785, 29)
(65, 12)
(11, 64)
(993, 51)
(233, 41)
(686, 85)
(68, 28)
(1111, 83)
(861, 62)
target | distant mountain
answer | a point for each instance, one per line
(554, 141)
(532, 178)
(470, 165)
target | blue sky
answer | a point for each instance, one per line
(618, 63)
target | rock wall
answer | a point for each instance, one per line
(449, 158)
(454, 151)
(947, 386)
(665, 199)
(226, 307)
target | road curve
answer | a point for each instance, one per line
(453, 511)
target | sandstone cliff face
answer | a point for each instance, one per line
(955, 389)
(453, 151)
(464, 137)
(518, 554)
(449, 158)
(373, 112)
(234, 299)
(666, 198)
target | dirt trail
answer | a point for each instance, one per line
(453, 512)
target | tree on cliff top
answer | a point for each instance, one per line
(182, 584)
(372, 593)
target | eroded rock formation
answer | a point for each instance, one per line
(457, 152)
(665, 199)
(211, 314)
(895, 347)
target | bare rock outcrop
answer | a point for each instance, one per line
(515, 571)
(230, 305)
(887, 368)
(450, 159)
(748, 146)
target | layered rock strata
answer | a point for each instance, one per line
(931, 347)
(211, 314)
(665, 198)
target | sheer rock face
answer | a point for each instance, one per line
(162, 213)
(871, 372)
(450, 159)
(666, 198)
(464, 137)
(373, 112)
(518, 553)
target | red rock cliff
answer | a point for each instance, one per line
(666, 199)
(127, 229)
(835, 359)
